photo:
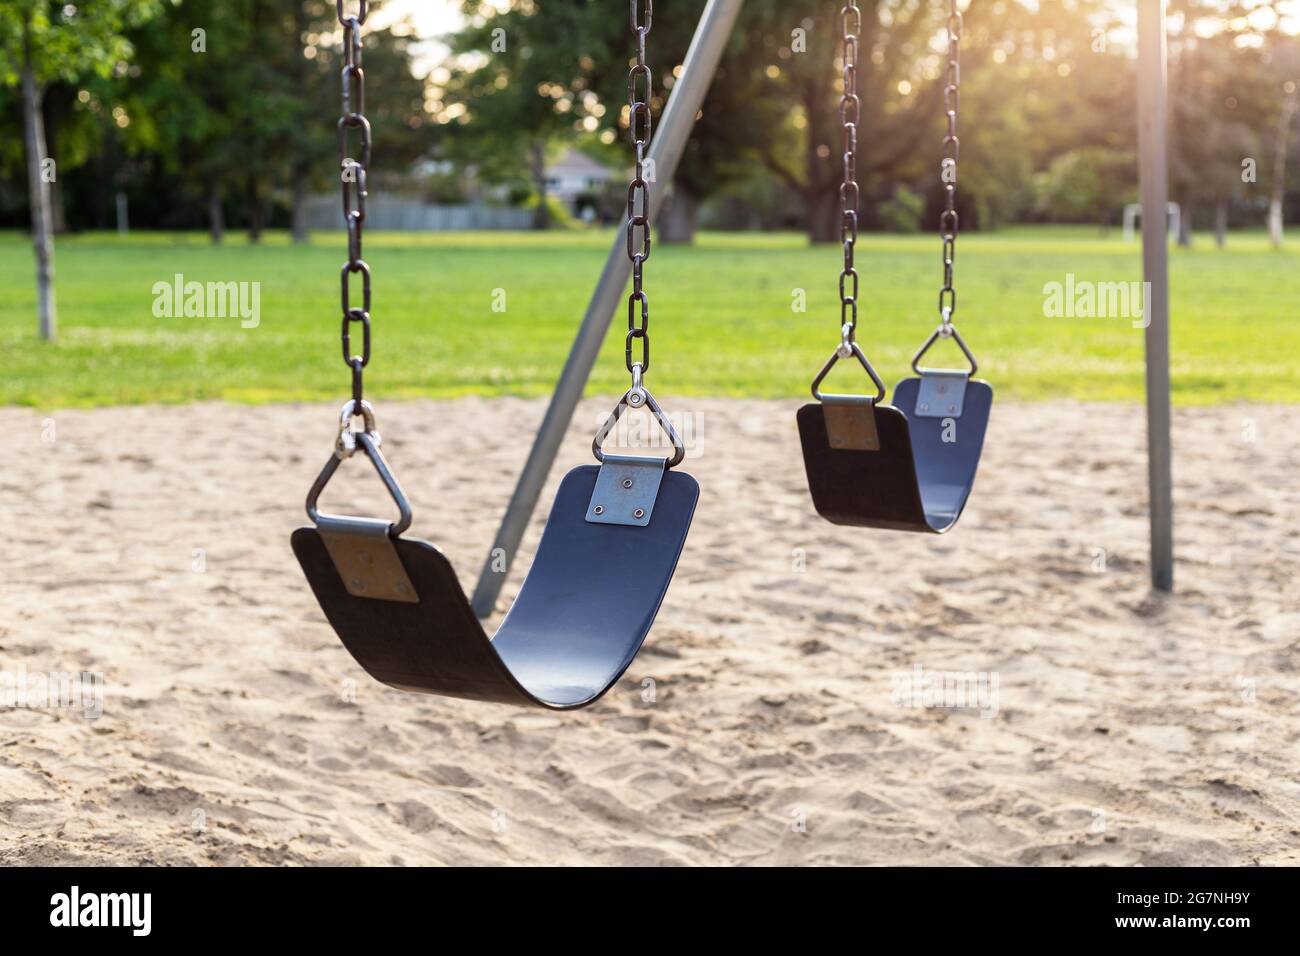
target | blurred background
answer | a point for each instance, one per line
(233, 138)
(214, 121)
(170, 144)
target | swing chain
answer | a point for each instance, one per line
(361, 11)
(948, 218)
(850, 118)
(352, 177)
(640, 82)
(639, 123)
(850, 115)
(948, 171)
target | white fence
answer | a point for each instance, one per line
(326, 213)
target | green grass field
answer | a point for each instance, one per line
(723, 320)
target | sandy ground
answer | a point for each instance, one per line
(151, 545)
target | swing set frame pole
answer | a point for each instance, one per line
(1153, 84)
(666, 147)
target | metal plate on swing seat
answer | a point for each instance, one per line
(365, 558)
(626, 489)
(942, 393)
(587, 603)
(851, 422)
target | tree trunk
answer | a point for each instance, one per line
(677, 220)
(254, 210)
(39, 191)
(1221, 223)
(821, 197)
(1185, 225)
(537, 166)
(58, 215)
(300, 205)
(55, 105)
(301, 163)
(1278, 192)
(824, 216)
(216, 215)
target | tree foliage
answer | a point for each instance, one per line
(1047, 121)
(68, 40)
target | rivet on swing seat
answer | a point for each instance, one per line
(919, 477)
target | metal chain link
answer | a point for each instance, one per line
(948, 170)
(352, 175)
(638, 195)
(850, 114)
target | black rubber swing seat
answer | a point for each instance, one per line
(582, 613)
(920, 476)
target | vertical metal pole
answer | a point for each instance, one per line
(666, 148)
(1153, 168)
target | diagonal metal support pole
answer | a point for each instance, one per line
(1153, 171)
(665, 152)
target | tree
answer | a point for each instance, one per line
(238, 100)
(1087, 184)
(773, 103)
(185, 101)
(790, 55)
(40, 43)
(796, 49)
(1278, 192)
(732, 124)
(1222, 95)
(538, 75)
(526, 84)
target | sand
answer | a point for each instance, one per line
(150, 545)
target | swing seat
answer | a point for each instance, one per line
(919, 477)
(583, 611)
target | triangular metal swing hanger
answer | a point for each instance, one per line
(638, 396)
(945, 330)
(368, 441)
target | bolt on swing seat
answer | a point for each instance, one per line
(602, 569)
(908, 466)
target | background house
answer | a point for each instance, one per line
(577, 180)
